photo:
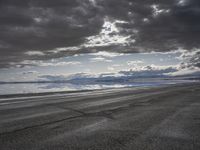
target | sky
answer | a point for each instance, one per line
(66, 37)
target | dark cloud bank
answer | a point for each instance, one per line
(43, 25)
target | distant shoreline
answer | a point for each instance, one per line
(89, 90)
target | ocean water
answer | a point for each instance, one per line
(7, 89)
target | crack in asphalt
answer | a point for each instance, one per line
(82, 114)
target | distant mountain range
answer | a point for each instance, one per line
(122, 77)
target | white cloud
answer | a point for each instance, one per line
(107, 54)
(130, 63)
(157, 11)
(146, 20)
(158, 67)
(42, 63)
(32, 53)
(136, 67)
(100, 59)
(111, 68)
(186, 55)
(63, 49)
(37, 19)
(30, 72)
(182, 2)
(62, 63)
(177, 51)
(117, 65)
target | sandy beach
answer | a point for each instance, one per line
(152, 118)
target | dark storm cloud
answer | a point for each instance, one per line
(194, 61)
(43, 25)
(174, 26)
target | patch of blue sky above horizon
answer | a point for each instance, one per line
(91, 63)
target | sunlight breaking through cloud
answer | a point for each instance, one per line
(109, 35)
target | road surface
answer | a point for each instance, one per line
(159, 118)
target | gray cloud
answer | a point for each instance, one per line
(34, 25)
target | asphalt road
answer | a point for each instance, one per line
(165, 118)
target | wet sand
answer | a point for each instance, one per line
(161, 118)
